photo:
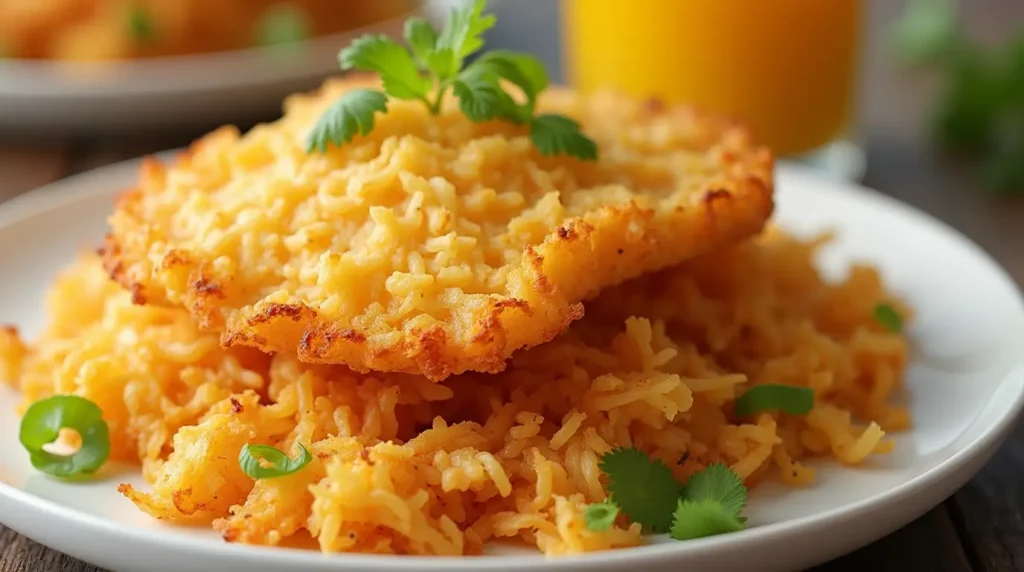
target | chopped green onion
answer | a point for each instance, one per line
(41, 426)
(141, 25)
(890, 319)
(280, 464)
(601, 516)
(283, 24)
(787, 398)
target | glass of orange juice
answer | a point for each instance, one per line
(787, 68)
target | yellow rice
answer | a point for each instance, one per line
(404, 465)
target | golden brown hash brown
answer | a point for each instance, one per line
(433, 245)
(151, 370)
(405, 465)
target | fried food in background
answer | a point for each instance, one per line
(121, 29)
(433, 245)
(404, 465)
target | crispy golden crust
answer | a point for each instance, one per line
(432, 245)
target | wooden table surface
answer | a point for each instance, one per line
(981, 528)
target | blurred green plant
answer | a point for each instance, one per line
(980, 112)
(283, 24)
(140, 24)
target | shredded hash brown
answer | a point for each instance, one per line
(404, 465)
(433, 245)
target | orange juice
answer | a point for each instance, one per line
(786, 67)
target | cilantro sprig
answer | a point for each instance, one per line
(433, 62)
(709, 503)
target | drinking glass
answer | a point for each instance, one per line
(787, 68)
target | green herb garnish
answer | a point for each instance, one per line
(555, 134)
(140, 24)
(718, 484)
(887, 316)
(767, 397)
(711, 501)
(282, 24)
(643, 488)
(280, 464)
(601, 516)
(41, 426)
(433, 63)
(981, 110)
(353, 113)
(697, 519)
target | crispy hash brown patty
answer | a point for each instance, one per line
(404, 465)
(433, 245)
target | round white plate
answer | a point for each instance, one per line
(964, 397)
(175, 91)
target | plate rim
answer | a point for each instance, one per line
(59, 80)
(75, 188)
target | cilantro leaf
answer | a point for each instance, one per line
(480, 96)
(643, 488)
(717, 483)
(700, 518)
(557, 134)
(422, 39)
(461, 37)
(352, 114)
(766, 397)
(600, 516)
(523, 70)
(394, 64)
(887, 316)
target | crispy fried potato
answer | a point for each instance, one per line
(150, 369)
(408, 466)
(202, 479)
(433, 245)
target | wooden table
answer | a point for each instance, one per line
(982, 527)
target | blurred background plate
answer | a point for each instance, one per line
(51, 97)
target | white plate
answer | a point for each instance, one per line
(176, 91)
(968, 309)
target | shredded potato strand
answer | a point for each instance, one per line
(404, 465)
(432, 245)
